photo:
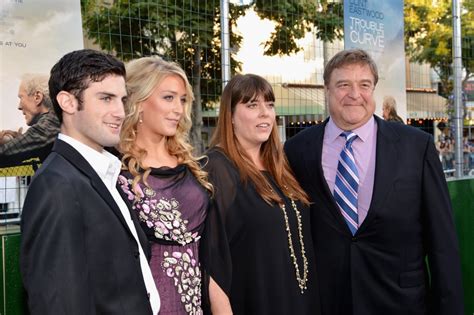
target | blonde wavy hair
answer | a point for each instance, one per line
(143, 76)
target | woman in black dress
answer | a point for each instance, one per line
(258, 233)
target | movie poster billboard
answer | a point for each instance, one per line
(34, 34)
(377, 27)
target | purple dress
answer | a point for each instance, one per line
(172, 211)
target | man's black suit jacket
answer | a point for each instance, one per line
(78, 255)
(381, 269)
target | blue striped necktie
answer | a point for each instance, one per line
(347, 183)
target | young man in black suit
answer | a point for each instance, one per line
(380, 204)
(82, 250)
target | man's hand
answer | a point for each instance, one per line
(7, 135)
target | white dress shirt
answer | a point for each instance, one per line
(107, 166)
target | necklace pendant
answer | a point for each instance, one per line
(302, 281)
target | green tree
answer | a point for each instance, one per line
(188, 32)
(294, 19)
(467, 27)
(429, 37)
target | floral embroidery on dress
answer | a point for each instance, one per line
(185, 272)
(162, 215)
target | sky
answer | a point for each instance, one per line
(300, 67)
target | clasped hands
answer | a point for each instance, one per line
(7, 135)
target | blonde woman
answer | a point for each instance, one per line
(389, 109)
(262, 259)
(163, 180)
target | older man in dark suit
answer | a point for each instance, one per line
(380, 204)
(82, 250)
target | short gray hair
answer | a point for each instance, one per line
(36, 82)
(350, 57)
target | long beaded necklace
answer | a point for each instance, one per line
(301, 280)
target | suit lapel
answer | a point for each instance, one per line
(312, 160)
(385, 168)
(314, 167)
(76, 159)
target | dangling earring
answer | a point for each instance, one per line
(140, 117)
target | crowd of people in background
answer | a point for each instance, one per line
(446, 148)
(124, 218)
(468, 155)
(444, 143)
